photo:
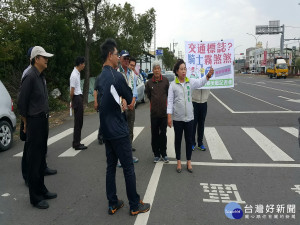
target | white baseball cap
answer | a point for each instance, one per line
(38, 50)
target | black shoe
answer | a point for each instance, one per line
(42, 205)
(50, 195)
(81, 147)
(133, 149)
(190, 170)
(26, 183)
(113, 209)
(178, 170)
(142, 208)
(49, 172)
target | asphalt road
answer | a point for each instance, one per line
(252, 159)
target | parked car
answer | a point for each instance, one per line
(140, 86)
(253, 72)
(169, 75)
(7, 119)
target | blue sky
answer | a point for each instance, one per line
(195, 20)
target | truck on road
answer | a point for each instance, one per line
(278, 69)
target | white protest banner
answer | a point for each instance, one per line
(200, 56)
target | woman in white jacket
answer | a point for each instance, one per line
(180, 107)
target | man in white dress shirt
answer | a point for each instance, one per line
(77, 102)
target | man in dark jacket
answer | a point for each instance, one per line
(34, 110)
(157, 92)
(112, 89)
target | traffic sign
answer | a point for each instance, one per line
(159, 52)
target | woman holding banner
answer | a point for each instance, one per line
(180, 109)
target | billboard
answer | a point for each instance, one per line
(200, 56)
(272, 28)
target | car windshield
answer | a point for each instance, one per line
(282, 66)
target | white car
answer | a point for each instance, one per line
(7, 119)
(253, 72)
(140, 86)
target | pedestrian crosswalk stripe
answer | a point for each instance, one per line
(170, 143)
(60, 136)
(275, 153)
(86, 141)
(291, 130)
(215, 144)
(136, 132)
(53, 139)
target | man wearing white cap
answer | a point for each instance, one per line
(34, 110)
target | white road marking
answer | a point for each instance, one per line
(275, 153)
(170, 142)
(296, 93)
(290, 100)
(274, 165)
(71, 152)
(226, 106)
(60, 136)
(142, 218)
(136, 132)
(53, 139)
(252, 112)
(215, 144)
(291, 130)
(260, 99)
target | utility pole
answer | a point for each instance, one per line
(174, 44)
(282, 41)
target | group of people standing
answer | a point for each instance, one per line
(176, 103)
(170, 103)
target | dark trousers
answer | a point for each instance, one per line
(24, 164)
(187, 127)
(77, 104)
(120, 149)
(130, 116)
(159, 136)
(37, 136)
(200, 111)
(100, 135)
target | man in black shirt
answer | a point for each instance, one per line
(24, 165)
(112, 85)
(33, 107)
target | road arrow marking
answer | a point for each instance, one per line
(290, 100)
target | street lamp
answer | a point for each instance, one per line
(255, 46)
(255, 38)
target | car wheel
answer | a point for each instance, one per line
(6, 136)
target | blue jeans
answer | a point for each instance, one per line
(120, 149)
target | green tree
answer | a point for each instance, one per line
(132, 32)
(297, 64)
(67, 28)
(30, 23)
(168, 58)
